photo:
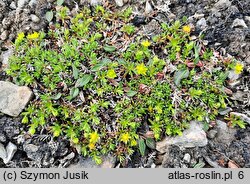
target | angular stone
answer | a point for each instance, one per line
(222, 4)
(13, 98)
(192, 137)
(239, 23)
(7, 153)
(4, 58)
(225, 134)
(119, 3)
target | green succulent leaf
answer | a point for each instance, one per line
(83, 81)
(131, 93)
(74, 92)
(150, 142)
(142, 147)
(179, 75)
(75, 72)
(109, 48)
(57, 96)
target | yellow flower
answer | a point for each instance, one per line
(20, 37)
(94, 137)
(133, 143)
(141, 69)
(238, 68)
(33, 36)
(145, 43)
(111, 74)
(186, 29)
(91, 146)
(125, 137)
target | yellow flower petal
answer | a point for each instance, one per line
(238, 68)
(141, 69)
(145, 43)
(33, 36)
(186, 29)
(91, 146)
(111, 74)
(94, 137)
(125, 137)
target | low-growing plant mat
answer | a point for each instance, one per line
(109, 89)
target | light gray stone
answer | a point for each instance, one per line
(148, 8)
(239, 23)
(34, 18)
(13, 98)
(4, 58)
(95, 2)
(225, 134)
(13, 5)
(7, 153)
(119, 3)
(21, 3)
(222, 4)
(211, 133)
(4, 35)
(192, 137)
(3, 153)
(187, 158)
(201, 24)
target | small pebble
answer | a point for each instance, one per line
(13, 5)
(119, 3)
(187, 158)
(4, 35)
(239, 23)
(34, 18)
(211, 134)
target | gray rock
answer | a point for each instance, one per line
(7, 153)
(239, 23)
(107, 162)
(212, 163)
(211, 133)
(242, 116)
(225, 134)
(187, 158)
(13, 5)
(222, 4)
(4, 58)
(13, 98)
(11, 150)
(3, 153)
(119, 3)
(201, 24)
(192, 137)
(2, 137)
(4, 35)
(32, 3)
(21, 3)
(34, 18)
(95, 2)
(247, 18)
(148, 8)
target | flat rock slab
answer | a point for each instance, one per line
(13, 98)
(192, 137)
